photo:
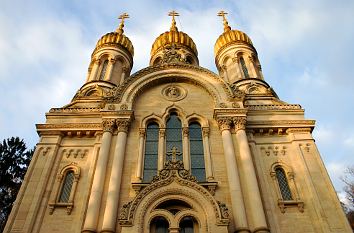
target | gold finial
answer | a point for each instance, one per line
(173, 14)
(121, 25)
(226, 24)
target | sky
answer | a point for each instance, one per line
(306, 49)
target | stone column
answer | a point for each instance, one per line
(111, 210)
(141, 151)
(238, 72)
(207, 156)
(161, 149)
(110, 69)
(250, 179)
(252, 67)
(94, 204)
(122, 78)
(186, 155)
(95, 68)
(237, 205)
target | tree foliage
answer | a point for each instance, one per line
(14, 160)
(348, 179)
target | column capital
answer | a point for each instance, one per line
(123, 125)
(185, 131)
(205, 131)
(224, 123)
(108, 125)
(162, 133)
(142, 132)
(239, 122)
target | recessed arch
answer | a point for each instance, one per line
(197, 118)
(152, 118)
(216, 87)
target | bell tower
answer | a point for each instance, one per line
(235, 56)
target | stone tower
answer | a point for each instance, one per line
(175, 148)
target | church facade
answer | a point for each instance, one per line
(175, 148)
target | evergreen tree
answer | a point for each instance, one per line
(14, 160)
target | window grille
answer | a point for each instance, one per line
(196, 151)
(173, 134)
(66, 188)
(283, 184)
(151, 152)
(244, 68)
(104, 70)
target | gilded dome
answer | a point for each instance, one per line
(231, 36)
(114, 38)
(179, 39)
(117, 38)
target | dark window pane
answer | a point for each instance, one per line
(66, 188)
(151, 152)
(196, 151)
(283, 184)
(174, 135)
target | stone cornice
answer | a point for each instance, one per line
(274, 107)
(229, 112)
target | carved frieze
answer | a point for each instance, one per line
(274, 150)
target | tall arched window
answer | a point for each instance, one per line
(283, 184)
(66, 188)
(104, 70)
(244, 68)
(196, 151)
(173, 134)
(151, 151)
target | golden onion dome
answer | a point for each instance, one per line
(173, 37)
(230, 36)
(117, 38)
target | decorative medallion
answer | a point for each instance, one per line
(173, 92)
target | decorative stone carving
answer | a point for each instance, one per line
(222, 105)
(75, 153)
(123, 107)
(274, 150)
(111, 107)
(123, 125)
(173, 92)
(142, 132)
(224, 123)
(173, 172)
(108, 125)
(240, 123)
(205, 131)
(162, 133)
(172, 55)
(185, 131)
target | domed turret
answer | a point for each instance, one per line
(235, 56)
(174, 47)
(112, 59)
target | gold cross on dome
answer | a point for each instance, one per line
(224, 20)
(123, 16)
(173, 14)
(121, 25)
(222, 14)
(174, 153)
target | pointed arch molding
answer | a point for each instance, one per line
(173, 180)
(154, 75)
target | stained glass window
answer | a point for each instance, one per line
(104, 69)
(151, 153)
(173, 134)
(283, 184)
(196, 151)
(244, 68)
(66, 188)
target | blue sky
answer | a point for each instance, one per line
(305, 47)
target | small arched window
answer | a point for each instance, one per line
(104, 70)
(66, 187)
(151, 151)
(173, 134)
(196, 151)
(244, 68)
(159, 225)
(283, 184)
(188, 225)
